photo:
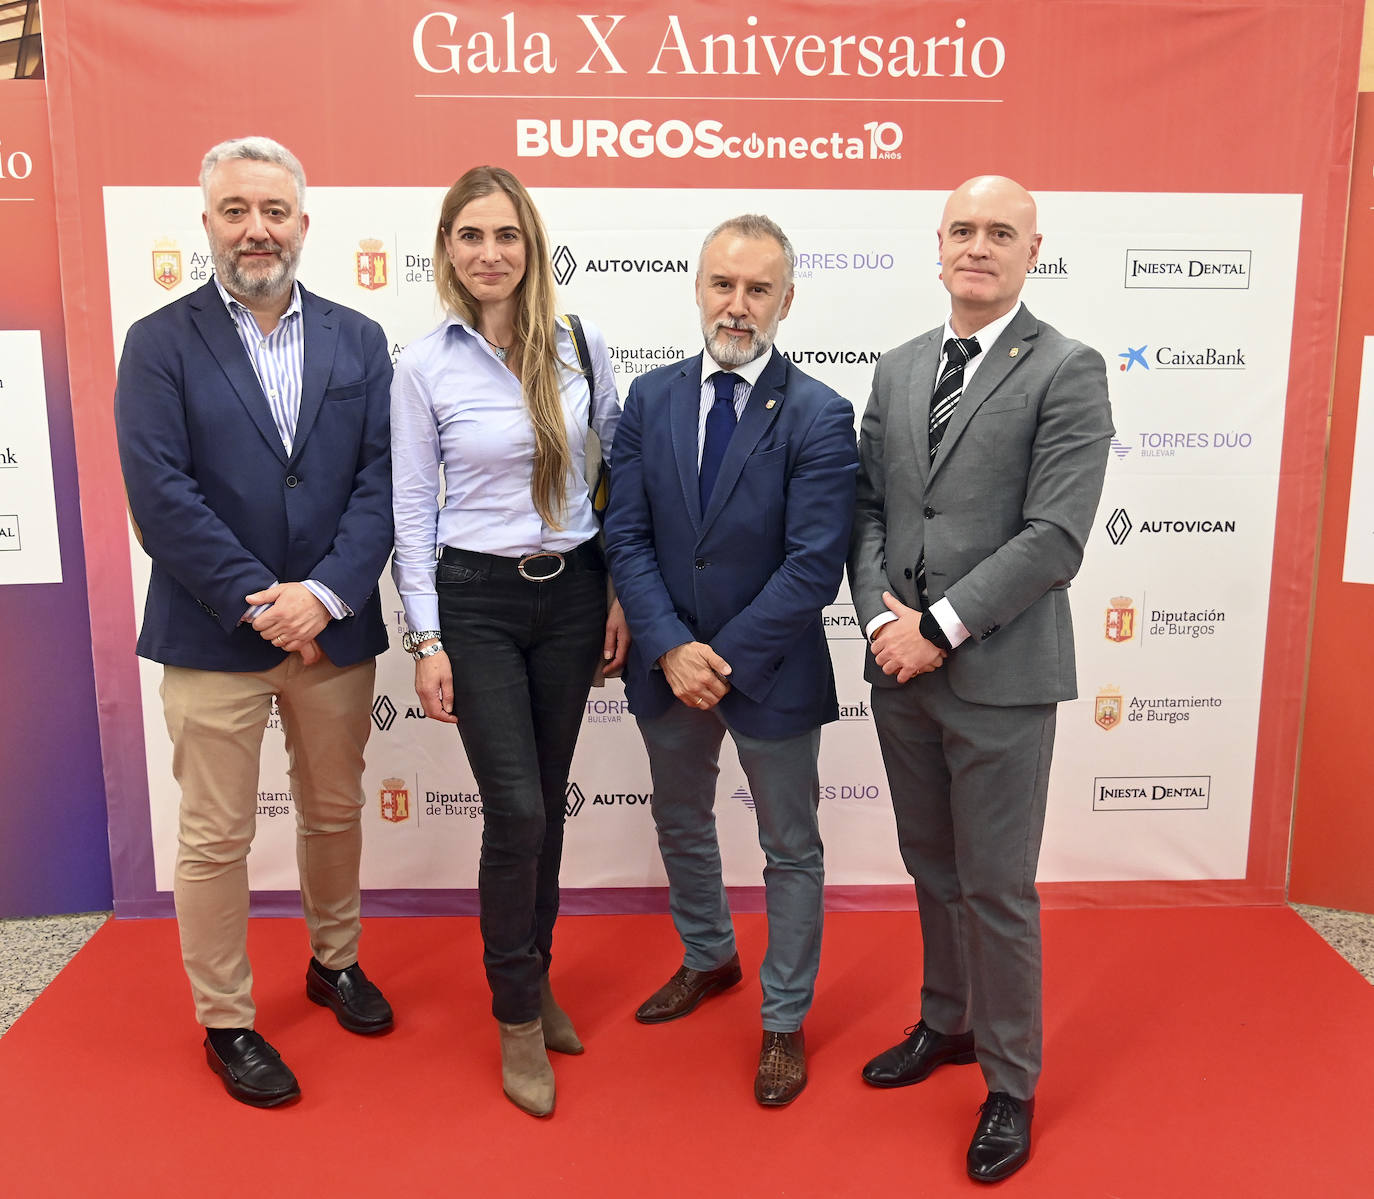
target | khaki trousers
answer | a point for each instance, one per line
(216, 721)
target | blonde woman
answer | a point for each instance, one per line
(504, 585)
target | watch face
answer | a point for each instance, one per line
(410, 643)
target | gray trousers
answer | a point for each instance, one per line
(684, 753)
(969, 784)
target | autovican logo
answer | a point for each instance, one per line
(577, 137)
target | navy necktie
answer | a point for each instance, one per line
(720, 426)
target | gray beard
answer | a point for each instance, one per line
(731, 353)
(260, 285)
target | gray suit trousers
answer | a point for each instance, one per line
(684, 750)
(969, 785)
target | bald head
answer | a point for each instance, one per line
(988, 242)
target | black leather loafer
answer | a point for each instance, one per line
(1001, 1144)
(358, 1004)
(923, 1051)
(253, 1071)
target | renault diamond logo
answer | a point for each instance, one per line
(383, 713)
(564, 265)
(1119, 526)
(574, 801)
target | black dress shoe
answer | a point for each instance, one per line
(252, 1070)
(358, 1004)
(687, 988)
(1001, 1144)
(923, 1050)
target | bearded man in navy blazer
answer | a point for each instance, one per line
(253, 431)
(731, 499)
(983, 451)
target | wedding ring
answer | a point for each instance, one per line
(701, 703)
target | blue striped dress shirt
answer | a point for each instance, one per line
(278, 360)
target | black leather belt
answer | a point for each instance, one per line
(538, 567)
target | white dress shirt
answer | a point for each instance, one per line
(942, 609)
(455, 408)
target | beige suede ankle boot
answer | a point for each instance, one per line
(526, 1076)
(559, 1033)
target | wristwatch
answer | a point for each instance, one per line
(411, 641)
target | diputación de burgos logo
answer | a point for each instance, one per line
(577, 137)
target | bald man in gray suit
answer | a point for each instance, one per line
(982, 454)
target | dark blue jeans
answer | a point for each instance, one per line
(523, 656)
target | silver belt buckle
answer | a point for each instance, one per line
(528, 558)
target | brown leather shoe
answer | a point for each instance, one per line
(782, 1068)
(687, 988)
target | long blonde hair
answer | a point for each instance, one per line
(535, 348)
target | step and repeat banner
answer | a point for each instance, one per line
(54, 856)
(1191, 212)
(1333, 824)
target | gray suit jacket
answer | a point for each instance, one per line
(1003, 512)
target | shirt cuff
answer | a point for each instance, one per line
(421, 611)
(336, 607)
(877, 623)
(950, 624)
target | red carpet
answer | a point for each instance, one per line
(1201, 1052)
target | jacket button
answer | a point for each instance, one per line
(291, 480)
(700, 563)
(927, 512)
(907, 572)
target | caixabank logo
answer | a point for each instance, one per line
(1173, 357)
(1119, 526)
(1050, 268)
(1201, 270)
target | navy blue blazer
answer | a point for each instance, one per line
(751, 574)
(223, 511)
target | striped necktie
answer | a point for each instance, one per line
(959, 352)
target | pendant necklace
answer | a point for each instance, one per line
(499, 351)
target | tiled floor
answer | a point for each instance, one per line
(33, 951)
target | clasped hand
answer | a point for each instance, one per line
(293, 620)
(898, 647)
(697, 674)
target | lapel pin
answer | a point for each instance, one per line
(770, 403)
(1011, 353)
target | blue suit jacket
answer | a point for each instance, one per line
(223, 511)
(751, 574)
